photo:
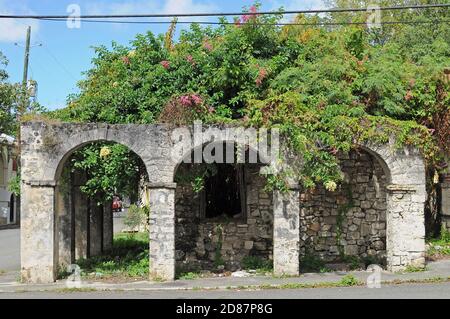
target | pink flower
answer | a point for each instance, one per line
(211, 109)
(190, 59)
(261, 76)
(197, 99)
(185, 100)
(190, 100)
(246, 18)
(126, 60)
(208, 46)
(165, 64)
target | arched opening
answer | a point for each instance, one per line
(92, 181)
(224, 214)
(346, 228)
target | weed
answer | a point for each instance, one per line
(72, 290)
(257, 263)
(411, 268)
(311, 263)
(129, 257)
(189, 276)
(348, 281)
(353, 261)
(439, 247)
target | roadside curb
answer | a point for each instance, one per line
(9, 226)
(153, 286)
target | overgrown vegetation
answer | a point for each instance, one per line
(439, 248)
(110, 169)
(312, 263)
(260, 265)
(137, 218)
(327, 88)
(189, 275)
(349, 280)
(342, 213)
(412, 268)
(129, 258)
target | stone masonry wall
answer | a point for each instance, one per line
(197, 238)
(356, 211)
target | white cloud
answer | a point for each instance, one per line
(14, 30)
(156, 7)
(147, 6)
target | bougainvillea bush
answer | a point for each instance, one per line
(326, 87)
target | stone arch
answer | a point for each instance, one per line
(83, 225)
(285, 211)
(189, 149)
(46, 145)
(45, 150)
(406, 195)
(81, 139)
(197, 231)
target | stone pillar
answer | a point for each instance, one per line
(162, 231)
(286, 232)
(108, 231)
(80, 207)
(37, 249)
(63, 225)
(405, 227)
(445, 202)
(95, 228)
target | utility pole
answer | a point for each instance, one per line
(24, 105)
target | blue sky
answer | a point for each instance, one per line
(65, 53)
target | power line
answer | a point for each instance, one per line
(170, 15)
(51, 54)
(254, 23)
(59, 63)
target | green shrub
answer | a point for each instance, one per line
(311, 263)
(256, 263)
(189, 276)
(445, 235)
(129, 257)
(349, 280)
(137, 217)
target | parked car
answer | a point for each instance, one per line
(116, 204)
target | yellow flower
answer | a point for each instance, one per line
(436, 178)
(132, 53)
(105, 151)
(330, 186)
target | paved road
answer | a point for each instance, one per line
(10, 249)
(118, 221)
(404, 291)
